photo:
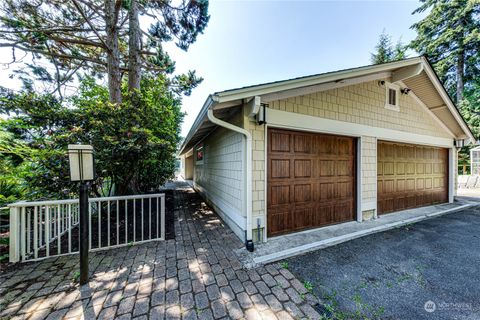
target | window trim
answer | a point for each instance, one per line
(390, 86)
(202, 150)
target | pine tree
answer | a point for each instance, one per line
(385, 51)
(101, 38)
(450, 36)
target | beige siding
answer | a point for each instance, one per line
(369, 173)
(220, 177)
(364, 104)
(258, 171)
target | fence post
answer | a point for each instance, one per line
(14, 244)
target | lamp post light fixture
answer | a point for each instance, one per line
(82, 170)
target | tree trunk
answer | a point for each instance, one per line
(134, 68)
(460, 75)
(460, 63)
(113, 53)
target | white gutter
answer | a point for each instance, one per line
(248, 168)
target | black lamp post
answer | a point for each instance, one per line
(82, 170)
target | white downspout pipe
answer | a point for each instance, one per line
(248, 167)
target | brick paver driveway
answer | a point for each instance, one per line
(197, 275)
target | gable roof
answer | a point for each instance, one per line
(415, 73)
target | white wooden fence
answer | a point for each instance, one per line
(43, 229)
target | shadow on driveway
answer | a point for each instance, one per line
(393, 274)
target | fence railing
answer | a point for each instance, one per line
(42, 229)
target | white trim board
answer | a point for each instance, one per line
(295, 121)
(359, 179)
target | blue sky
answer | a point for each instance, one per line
(250, 42)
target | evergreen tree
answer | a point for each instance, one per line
(450, 36)
(101, 38)
(385, 51)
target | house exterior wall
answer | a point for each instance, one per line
(362, 104)
(219, 177)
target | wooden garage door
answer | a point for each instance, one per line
(410, 176)
(310, 180)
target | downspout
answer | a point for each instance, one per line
(248, 173)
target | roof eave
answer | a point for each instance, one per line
(446, 98)
(258, 90)
(198, 121)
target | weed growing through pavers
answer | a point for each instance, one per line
(420, 279)
(76, 276)
(363, 285)
(284, 265)
(308, 285)
(362, 310)
(404, 278)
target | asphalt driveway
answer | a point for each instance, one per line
(428, 270)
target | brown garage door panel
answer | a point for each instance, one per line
(310, 180)
(410, 176)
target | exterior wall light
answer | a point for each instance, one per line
(460, 143)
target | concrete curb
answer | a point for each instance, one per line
(273, 257)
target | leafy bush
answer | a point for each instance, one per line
(134, 142)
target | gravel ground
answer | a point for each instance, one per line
(394, 274)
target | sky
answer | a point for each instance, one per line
(252, 42)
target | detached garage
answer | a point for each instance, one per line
(350, 145)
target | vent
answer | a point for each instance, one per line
(392, 97)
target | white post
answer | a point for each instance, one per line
(22, 234)
(452, 168)
(150, 219)
(14, 253)
(35, 232)
(126, 221)
(162, 215)
(359, 177)
(108, 223)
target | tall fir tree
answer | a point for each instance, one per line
(386, 51)
(450, 37)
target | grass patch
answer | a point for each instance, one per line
(76, 277)
(362, 310)
(308, 285)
